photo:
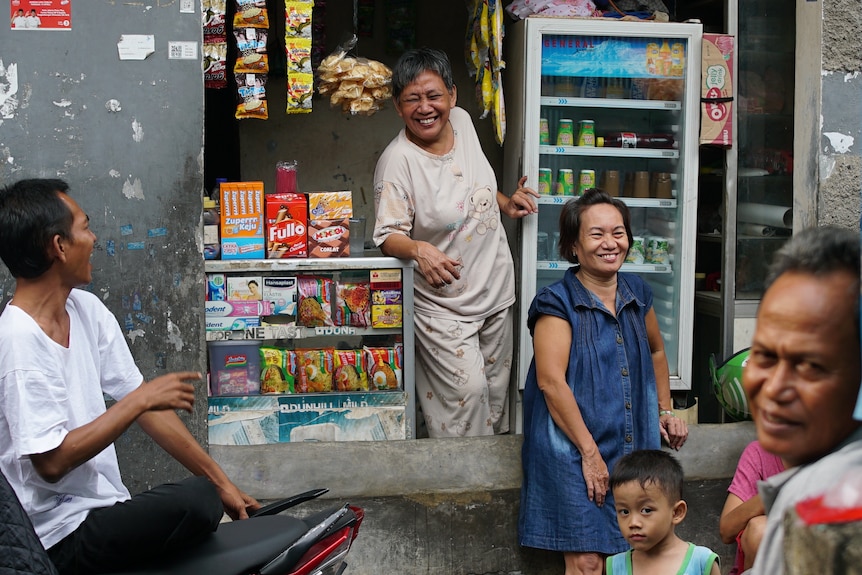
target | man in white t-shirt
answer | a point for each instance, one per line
(437, 203)
(61, 351)
(32, 20)
(19, 20)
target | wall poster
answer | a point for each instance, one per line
(41, 14)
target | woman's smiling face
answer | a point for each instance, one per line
(603, 243)
(424, 105)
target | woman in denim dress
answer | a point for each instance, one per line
(598, 387)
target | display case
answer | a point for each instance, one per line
(629, 93)
(340, 380)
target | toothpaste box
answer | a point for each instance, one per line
(242, 226)
(280, 293)
(237, 308)
(716, 118)
(286, 226)
(231, 323)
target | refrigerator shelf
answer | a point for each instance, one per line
(624, 103)
(634, 268)
(630, 202)
(594, 151)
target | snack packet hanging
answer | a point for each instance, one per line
(251, 14)
(215, 65)
(251, 51)
(251, 89)
(358, 85)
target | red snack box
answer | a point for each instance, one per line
(286, 226)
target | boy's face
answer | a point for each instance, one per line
(645, 515)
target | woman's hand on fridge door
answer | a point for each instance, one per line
(520, 203)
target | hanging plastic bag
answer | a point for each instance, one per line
(359, 85)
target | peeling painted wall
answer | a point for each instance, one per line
(128, 137)
(840, 152)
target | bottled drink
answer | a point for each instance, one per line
(633, 140)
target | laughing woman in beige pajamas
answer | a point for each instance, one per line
(437, 204)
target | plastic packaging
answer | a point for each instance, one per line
(634, 140)
(212, 242)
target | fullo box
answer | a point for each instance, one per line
(716, 90)
(286, 226)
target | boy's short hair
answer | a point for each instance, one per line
(650, 466)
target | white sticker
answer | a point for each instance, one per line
(182, 50)
(187, 7)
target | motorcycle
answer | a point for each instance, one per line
(270, 544)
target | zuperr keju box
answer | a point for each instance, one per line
(242, 229)
(716, 90)
(329, 216)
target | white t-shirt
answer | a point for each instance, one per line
(46, 390)
(20, 22)
(32, 22)
(449, 201)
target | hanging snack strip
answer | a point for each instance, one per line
(297, 45)
(215, 43)
(250, 29)
(358, 85)
(485, 60)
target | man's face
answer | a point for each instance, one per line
(78, 247)
(802, 376)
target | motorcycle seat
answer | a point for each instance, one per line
(236, 547)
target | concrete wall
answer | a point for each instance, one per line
(128, 137)
(839, 152)
(450, 506)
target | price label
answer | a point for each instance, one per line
(665, 204)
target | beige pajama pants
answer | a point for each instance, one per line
(462, 374)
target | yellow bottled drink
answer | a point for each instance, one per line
(652, 59)
(665, 59)
(677, 59)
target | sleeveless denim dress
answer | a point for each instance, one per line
(611, 375)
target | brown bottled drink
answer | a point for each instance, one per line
(634, 140)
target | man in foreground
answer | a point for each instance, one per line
(60, 350)
(803, 374)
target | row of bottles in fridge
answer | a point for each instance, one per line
(612, 88)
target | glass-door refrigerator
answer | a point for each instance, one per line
(615, 105)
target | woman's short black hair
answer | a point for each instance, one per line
(32, 212)
(570, 220)
(414, 62)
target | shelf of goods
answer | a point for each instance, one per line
(274, 381)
